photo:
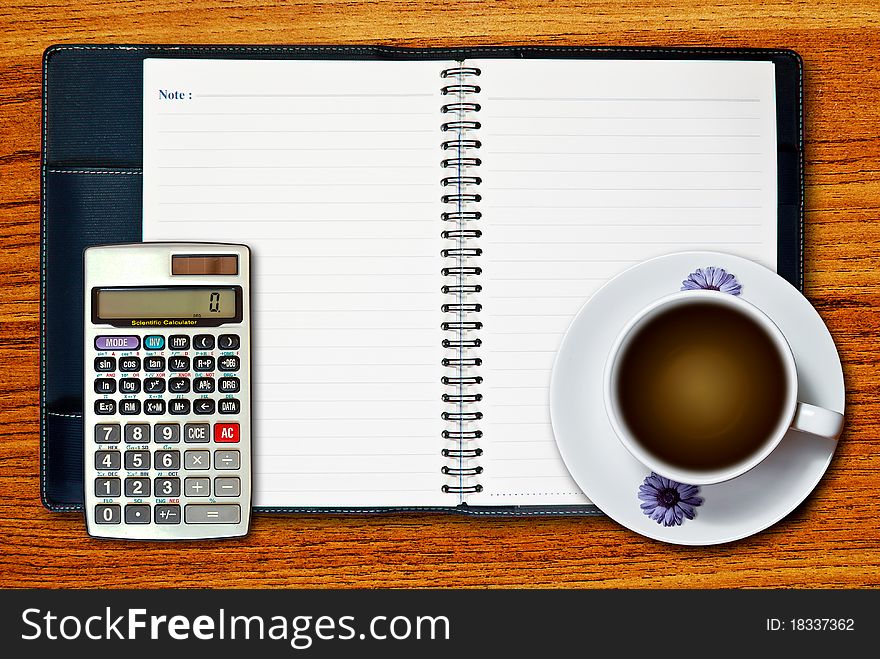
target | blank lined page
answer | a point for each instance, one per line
(590, 167)
(329, 170)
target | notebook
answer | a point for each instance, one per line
(423, 233)
(424, 223)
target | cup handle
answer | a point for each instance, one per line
(817, 421)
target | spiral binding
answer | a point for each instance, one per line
(461, 307)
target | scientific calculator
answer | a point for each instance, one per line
(167, 391)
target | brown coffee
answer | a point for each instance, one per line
(701, 386)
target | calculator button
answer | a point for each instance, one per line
(129, 407)
(197, 487)
(108, 460)
(154, 385)
(227, 487)
(129, 364)
(129, 385)
(230, 406)
(108, 514)
(203, 364)
(178, 363)
(169, 514)
(137, 460)
(107, 433)
(213, 514)
(105, 406)
(200, 460)
(226, 433)
(154, 342)
(108, 487)
(154, 407)
(196, 433)
(203, 342)
(227, 460)
(167, 487)
(117, 343)
(137, 433)
(137, 487)
(105, 364)
(228, 342)
(229, 385)
(228, 363)
(105, 386)
(178, 385)
(168, 460)
(137, 514)
(178, 342)
(166, 433)
(203, 406)
(178, 406)
(154, 364)
(203, 385)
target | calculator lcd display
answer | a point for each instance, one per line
(171, 302)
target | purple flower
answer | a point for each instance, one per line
(668, 502)
(712, 279)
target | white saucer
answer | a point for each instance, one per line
(610, 476)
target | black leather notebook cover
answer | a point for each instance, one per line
(91, 194)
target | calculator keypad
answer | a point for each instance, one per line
(177, 390)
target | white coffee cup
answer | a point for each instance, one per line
(793, 415)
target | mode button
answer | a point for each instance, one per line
(117, 343)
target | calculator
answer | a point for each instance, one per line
(167, 396)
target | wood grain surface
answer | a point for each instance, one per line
(832, 540)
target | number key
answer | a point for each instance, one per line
(137, 460)
(166, 433)
(107, 433)
(108, 460)
(137, 487)
(168, 460)
(108, 487)
(108, 514)
(167, 487)
(137, 433)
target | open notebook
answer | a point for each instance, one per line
(423, 232)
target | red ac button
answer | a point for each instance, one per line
(226, 433)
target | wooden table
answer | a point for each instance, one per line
(833, 539)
